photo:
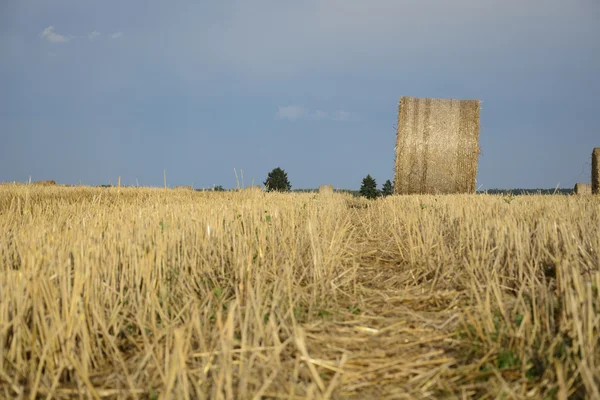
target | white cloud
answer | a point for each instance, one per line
(93, 35)
(291, 112)
(52, 36)
(341, 115)
(116, 35)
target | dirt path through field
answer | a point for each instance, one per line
(394, 342)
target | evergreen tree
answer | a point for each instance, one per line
(369, 188)
(277, 181)
(387, 188)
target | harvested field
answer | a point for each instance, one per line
(326, 189)
(437, 146)
(596, 171)
(153, 293)
(44, 183)
(582, 188)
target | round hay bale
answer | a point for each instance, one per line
(184, 187)
(254, 188)
(582, 188)
(596, 171)
(326, 190)
(437, 146)
(45, 183)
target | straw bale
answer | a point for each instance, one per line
(596, 171)
(326, 189)
(582, 188)
(185, 187)
(437, 146)
(45, 183)
(255, 188)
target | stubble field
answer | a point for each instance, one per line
(155, 293)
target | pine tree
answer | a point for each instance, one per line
(277, 181)
(369, 188)
(387, 188)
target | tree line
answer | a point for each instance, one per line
(277, 181)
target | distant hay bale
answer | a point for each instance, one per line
(596, 171)
(437, 146)
(254, 188)
(582, 188)
(45, 183)
(326, 189)
(184, 187)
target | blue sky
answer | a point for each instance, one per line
(92, 90)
